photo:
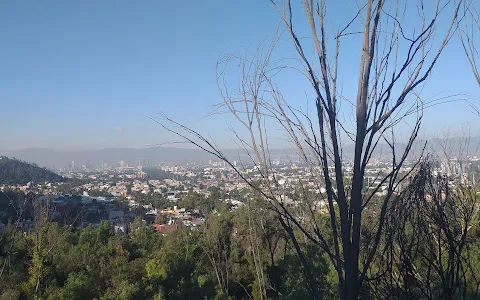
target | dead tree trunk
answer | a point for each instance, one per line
(394, 63)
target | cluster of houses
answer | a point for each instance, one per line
(176, 218)
(111, 185)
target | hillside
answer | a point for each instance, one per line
(13, 171)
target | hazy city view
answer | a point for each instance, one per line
(256, 149)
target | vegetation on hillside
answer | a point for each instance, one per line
(14, 171)
(228, 258)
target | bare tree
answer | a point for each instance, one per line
(395, 62)
(216, 246)
(467, 37)
(426, 253)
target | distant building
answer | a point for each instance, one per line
(165, 229)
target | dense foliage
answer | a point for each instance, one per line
(14, 172)
(224, 260)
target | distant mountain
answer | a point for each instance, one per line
(13, 171)
(161, 155)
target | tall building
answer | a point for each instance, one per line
(73, 164)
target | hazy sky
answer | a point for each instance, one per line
(86, 74)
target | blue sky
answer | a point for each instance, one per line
(86, 74)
